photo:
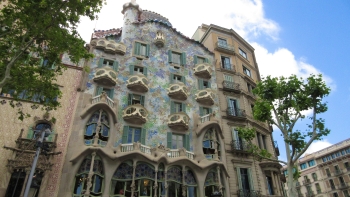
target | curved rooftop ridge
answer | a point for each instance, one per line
(174, 29)
(155, 13)
(104, 33)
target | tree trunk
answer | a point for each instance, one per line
(290, 181)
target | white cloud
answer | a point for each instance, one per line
(318, 145)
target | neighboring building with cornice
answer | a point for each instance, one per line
(325, 172)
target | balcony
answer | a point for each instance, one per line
(227, 67)
(277, 150)
(309, 194)
(109, 46)
(106, 76)
(178, 91)
(159, 40)
(103, 98)
(203, 70)
(329, 174)
(233, 112)
(135, 114)
(297, 184)
(338, 172)
(239, 146)
(231, 86)
(224, 47)
(343, 186)
(138, 83)
(307, 182)
(178, 121)
(205, 97)
(319, 191)
(248, 193)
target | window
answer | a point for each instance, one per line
(91, 129)
(177, 78)
(261, 140)
(252, 108)
(245, 181)
(244, 54)
(250, 88)
(222, 42)
(82, 181)
(133, 134)
(336, 169)
(309, 190)
(32, 134)
(347, 166)
(303, 166)
(109, 92)
(134, 99)
(176, 141)
(203, 84)
(285, 172)
(211, 145)
(318, 188)
(328, 172)
(247, 71)
(314, 176)
(141, 49)
(264, 141)
(232, 109)
(346, 193)
(269, 185)
(335, 194)
(331, 183)
(226, 63)
(106, 62)
(237, 142)
(177, 58)
(176, 107)
(311, 163)
(16, 183)
(199, 60)
(137, 70)
(204, 111)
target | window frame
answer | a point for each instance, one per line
(197, 57)
(114, 65)
(137, 49)
(247, 71)
(243, 53)
(182, 58)
(132, 69)
(125, 136)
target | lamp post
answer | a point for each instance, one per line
(39, 144)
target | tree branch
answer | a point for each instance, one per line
(305, 148)
(276, 160)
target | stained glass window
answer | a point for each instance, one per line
(93, 126)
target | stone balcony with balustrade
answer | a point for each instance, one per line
(137, 82)
(178, 121)
(109, 46)
(156, 151)
(224, 47)
(178, 91)
(205, 97)
(135, 114)
(203, 70)
(106, 76)
(231, 86)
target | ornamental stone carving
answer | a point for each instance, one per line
(178, 91)
(138, 83)
(205, 96)
(135, 114)
(106, 76)
(109, 46)
(159, 40)
(203, 70)
(178, 121)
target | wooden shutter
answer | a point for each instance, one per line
(115, 66)
(209, 84)
(125, 135)
(130, 96)
(200, 84)
(100, 62)
(183, 58)
(171, 77)
(137, 48)
(143, 136)
(239, 178)
(201, 111)
(251, 182)
(145, 71)
(183, 79)
(142, 100)
(170, 56)
(234, 134)
(187, 141)
(195, 59)
(169, 137)
(111, 93)
(172, 107)
(131, 69)
(183, 107)
(206, 60)
(99, 90)
(210, 110)
(30, 133)
(147, 50)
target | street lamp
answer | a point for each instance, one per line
(39, 144)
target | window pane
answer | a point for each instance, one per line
(137, 135)
(90, 130)
(143, 50)
(176, 58)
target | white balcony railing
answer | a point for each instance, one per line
(127, 147)
(205, 118)
(190, 155)
(174, 153)
(103, 98)
(146, 149)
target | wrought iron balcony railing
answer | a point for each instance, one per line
(249, 193)
(338, 172)
(233, 111)
(229, 67)
(237, 145)
(343, 185)
(225, 47)
(232, 86)
(307, 182)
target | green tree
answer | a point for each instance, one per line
(33, 35)
(281, 102)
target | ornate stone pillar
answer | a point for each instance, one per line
(184, 187)
(165, 180)
(91, 173)
(133, 178)
(216, 156)
(155, 187)
(219, 181)
(97, 130)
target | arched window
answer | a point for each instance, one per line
(211, 144)
(191, 183)
(97, 128)
(174, 178)
(16, 183)
(82, 178)
(122, 179)
(32, 134)
(212, 183)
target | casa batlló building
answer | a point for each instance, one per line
(150, 118)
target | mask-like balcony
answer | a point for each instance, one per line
(203, 70)
(109, 46)
(103, 98)
(138, 83)
(159, 40)
(231, 86)
(178, 91)
(205, 97)
(224, 47)
(178, 121)
(135, 114)
(106, 76)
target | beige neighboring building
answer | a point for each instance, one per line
(237, 74)
(325, 173)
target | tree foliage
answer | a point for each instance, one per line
(33, 35)
(282, 102)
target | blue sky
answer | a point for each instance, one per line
(290, 37)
